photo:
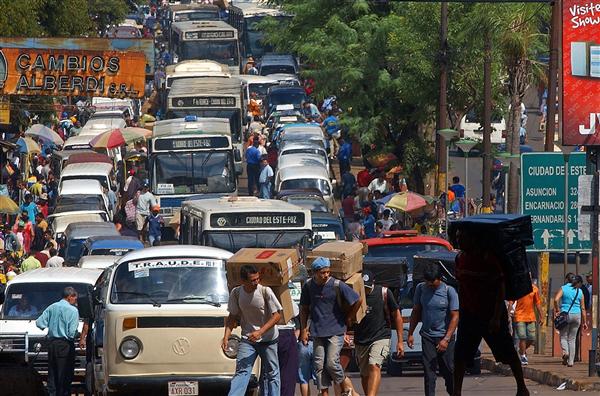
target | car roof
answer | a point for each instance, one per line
(277, 59)
(301, 193)
(296, 145)
(284, 88)
(78, 140)
(408, 240)
(88, 157)
(86, 229)
(78, 186)
(325, 217)
(175, 251)
(113, 241)
(66, 154)
(58, 275)
(86, 168)
(294, 172)
(97, 261)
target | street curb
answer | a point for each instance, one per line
(543, 377)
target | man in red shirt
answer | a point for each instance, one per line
(483, 312)
(364, 178)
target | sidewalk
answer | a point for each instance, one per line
(547, 370)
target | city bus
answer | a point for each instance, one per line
(212, 40)
(191, 157)
(233, 223)
(208, 97)
(245, 16)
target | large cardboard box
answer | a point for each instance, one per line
(276, 266)
(357, 284)
(284, 296)
(346, 257)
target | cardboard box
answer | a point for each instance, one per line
(357, 284)
(284, 296)
(346, 257)
(276, 266)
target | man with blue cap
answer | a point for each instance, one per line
(331, 305)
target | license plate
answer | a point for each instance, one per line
(179, 388)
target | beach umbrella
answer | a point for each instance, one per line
(8, 206)
(28, 145)
(118, 137)
(44, 133)
(408, 201)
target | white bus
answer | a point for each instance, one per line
(212, 40)
(240, 222)
(190, 157)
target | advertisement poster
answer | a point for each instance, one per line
(581, 72)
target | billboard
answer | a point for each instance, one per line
(580, 73)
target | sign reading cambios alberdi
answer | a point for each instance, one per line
(69, 72)
(581, 72)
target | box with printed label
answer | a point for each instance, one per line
(284, 296)
(346, 257)
(358, 285)
(275, 266)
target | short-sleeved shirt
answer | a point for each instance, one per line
(331, 124)
(524, 308)
(436, 305)
(265, 174)
(327, 317)
(253, 155)
(375, 326)
(569, 294)
(458, 190)
(254, 309)
(145, 202)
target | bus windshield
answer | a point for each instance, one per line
(301, 184)
(222, 51)
(233, 115)
(236, 240)
(194, 172)
(196, 16)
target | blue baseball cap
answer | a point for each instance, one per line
(320, 263)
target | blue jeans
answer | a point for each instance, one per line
(306, 370)
(328, 368)
(247, 354)
(265, 190)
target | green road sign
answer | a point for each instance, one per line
(543, 197)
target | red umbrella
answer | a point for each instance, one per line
(118, 137)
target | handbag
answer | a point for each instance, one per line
(563, 318)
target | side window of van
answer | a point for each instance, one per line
(196, 232)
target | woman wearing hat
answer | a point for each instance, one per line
(569, 299)
(249, 65)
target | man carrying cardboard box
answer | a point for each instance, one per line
(257, 310)
(325, 299)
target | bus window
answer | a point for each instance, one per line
(224, 52)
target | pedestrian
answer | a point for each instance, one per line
(306, 369)
(345, 155)
(483, 312)
(61, 319)
(43, 204)
(459, 194)
(569, 300)
(265, 178)
(524, 319)
(379, 229)
(588, 286)
(348, 184)
(369, 223)
(332, 130)
(372, 335)
(256, 309)
(323, 300)
(386, 221)
(29, 207)
(355, 230)
(378, 184)
(253, 158)
(30, 263)
(55, 261)
(145, 201)
(132, 185)
(38, 242)
(154, 223)
(436, 306)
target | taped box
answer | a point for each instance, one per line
(275, 266)
(346, 257)
(284, 296)
(358, 285)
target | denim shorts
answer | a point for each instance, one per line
(525, 330)
(306, 370)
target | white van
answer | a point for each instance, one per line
(79, 188)
(78, 143)
(27, 296)
(100, 171)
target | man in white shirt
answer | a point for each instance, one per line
(145, 201)
(55, 261)
(378, 184)
(265, 178)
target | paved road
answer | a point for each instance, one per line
(486, 384)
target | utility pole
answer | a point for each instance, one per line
(442, 112)
(552, 76)
(487, 120)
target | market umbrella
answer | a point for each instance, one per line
(408, 201)
(28, 145)
(8, 206)
(44, 133)
(118, 137)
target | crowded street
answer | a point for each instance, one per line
(299, 197)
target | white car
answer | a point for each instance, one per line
(470, 127)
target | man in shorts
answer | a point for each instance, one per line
(482, 311)
(524, 321)
(372, 334)
(145, 201)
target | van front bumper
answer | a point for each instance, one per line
(206, 383)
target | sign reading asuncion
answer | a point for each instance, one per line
(69, 72)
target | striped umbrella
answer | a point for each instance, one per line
(408, 201)
(28, 145)
(44, 133)
(118, 137)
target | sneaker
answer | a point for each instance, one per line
(565, 359)
(524, 360)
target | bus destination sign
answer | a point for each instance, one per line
(206, 101)
(209, 34)
(257, 220)
(191, 143)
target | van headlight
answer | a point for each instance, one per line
(233, 344)
(130, 347)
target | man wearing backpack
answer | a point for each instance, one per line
(372, 334)
(330, 304)
(436, 306)
(257, 310)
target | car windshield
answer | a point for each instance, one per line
(321, 153)
(300, 184)
(327, 231)
(260, 89)
(195, 172)
(77, 202)
(196, 16)
(170, 281)
(27, 301)
(287, 97)
(234, 241)
(277, 69)
(404, 251)
(222, 51)
(314, 205)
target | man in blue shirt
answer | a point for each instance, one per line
(332, 128)
(345, 155)
(30, 207)
(61, 319)
(459, 192)
(253, 157)
(323, 299)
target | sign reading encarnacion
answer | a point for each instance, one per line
(30, 71)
